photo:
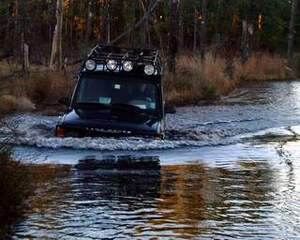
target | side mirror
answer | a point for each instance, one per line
(170, 109)
(64, 101)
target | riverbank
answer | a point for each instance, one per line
(195, 80)
(208, 79)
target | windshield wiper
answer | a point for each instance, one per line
(92, 105)
(127, 107)
(137, 110)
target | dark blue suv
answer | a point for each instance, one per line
(119, 93)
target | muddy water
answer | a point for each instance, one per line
(254, 199)
(228, 170)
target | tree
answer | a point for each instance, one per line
(56, 60)
(291, 35)
(88, 25)
(203, 29)
(158, 23)
(173, 39)
(195, 31)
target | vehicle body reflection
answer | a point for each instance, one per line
(183, 201)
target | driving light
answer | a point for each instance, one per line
(90, 65)
(112, 65)
(127, 66)
(149, 70)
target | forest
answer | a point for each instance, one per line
(236, 40)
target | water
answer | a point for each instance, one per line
(248, 110)
(255, 199)
(228, 170)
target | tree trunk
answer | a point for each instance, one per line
(291, 36)
(71, 15)
(146, 29)
(25, 62)
(195, 31)
(244, 41)
(203, 29)
(218, 29)
(181, 27)
(108, 23)
(56, 61)
(16, 31)
(173, 40)
(247, 41)
(88, 25)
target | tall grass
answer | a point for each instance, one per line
(43, 87)
(265, 67)
(39, 88)
(196, 79)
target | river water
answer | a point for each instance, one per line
(227, 170)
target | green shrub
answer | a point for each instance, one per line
(210, 92)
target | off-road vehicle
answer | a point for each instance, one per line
(118, 93)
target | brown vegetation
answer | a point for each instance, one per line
(196, 79)
(10, 103)
(41, 87)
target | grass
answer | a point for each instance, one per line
(265, 67)
(43, 87)
(40, 87)
(196, 80)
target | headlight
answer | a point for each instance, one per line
(112, 65)
(127, 66)
(149, 70)
(90, 65)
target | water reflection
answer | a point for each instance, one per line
(184, 201)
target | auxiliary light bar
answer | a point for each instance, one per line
(90, 65)
(112, 65)
(127, 66)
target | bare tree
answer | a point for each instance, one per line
(16, 28)
(173, 40)
(88, 25)
(195, 31)
(203, 29)
(146, 29)
(56, 60)
(152, 6)
(108, 22)
(291, 36)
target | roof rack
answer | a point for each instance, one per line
(103, 53)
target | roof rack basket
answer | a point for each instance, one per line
(103, 53)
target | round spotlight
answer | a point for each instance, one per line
(90, 65)
(149, 70)
(127, 66)
(112, 65)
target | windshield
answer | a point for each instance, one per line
(106, 90)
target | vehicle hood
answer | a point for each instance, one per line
(110, 120)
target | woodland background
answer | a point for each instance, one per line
(213, 45)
